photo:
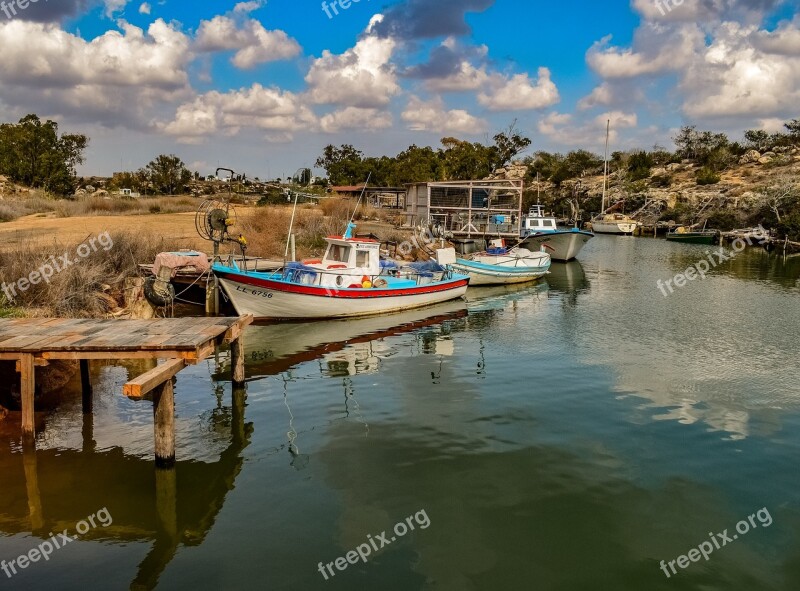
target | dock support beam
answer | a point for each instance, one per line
(86, 387)
(237, 362)
(27, 388)
(164, 424)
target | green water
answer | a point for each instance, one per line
(565, 436)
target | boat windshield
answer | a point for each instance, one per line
(362, 258)
(338, 253)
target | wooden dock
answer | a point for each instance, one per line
(180, 341)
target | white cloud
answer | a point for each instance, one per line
(268, 109)
(433, 116)
(144, 8)
(520, 93)
(113, 6)
(254, 43)
(113, 79)
(362, 76)
(355, 118)
(564, 129)
(466, 77)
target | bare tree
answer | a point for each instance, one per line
(782, 192)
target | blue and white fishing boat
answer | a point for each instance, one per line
(542, 231)
(349, 280)
(500, 265)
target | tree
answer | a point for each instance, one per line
(344, 165)
(167, 174)
(509, 144)
(781, 196)
(757, 139)
(793, 128)
(32, 153)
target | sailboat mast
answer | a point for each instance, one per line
(605, 169)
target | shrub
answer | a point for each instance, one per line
(706, 176)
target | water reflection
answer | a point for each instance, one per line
(50, 490)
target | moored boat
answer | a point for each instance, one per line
(349, 280)
(501, 266)
(689, 236)
(614, 223)
(541, 231)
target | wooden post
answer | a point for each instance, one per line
(27, 388)
(210, 297)
(237, 362)
(86, 387)
(164, 424)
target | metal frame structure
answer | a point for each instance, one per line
(467, 208)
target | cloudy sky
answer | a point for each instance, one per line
(263, 86)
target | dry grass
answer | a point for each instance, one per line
(12, 209)
(89, 288)
(267, 229)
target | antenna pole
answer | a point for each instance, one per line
(291, 226)
(605, 169)
(364, 190)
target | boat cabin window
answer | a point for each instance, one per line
(362, 258)
(338, 253)
(547, 223)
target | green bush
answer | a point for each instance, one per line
(706, 176)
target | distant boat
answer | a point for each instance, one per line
(689, 236)
(540, 231)
(614, 223)
(349, 280)
(611, 223)
(502, 266)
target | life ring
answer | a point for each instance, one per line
(355, 286)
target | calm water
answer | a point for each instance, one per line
(565, 436)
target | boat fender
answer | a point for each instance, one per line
(355, 286)
(365, 282)
(380, 283)
(158, 293)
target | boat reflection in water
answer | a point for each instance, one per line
(51, 490)
(342, 347)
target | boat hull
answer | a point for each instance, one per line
(562, 246)
(481, 274)
(267, 298)
(693, 238)
(621, 228)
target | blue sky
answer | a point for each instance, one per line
(263, 86)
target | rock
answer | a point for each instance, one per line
(766, 159)
(90, 189)
(750, 157)
(80, 193)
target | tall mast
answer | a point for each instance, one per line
(605, 170)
